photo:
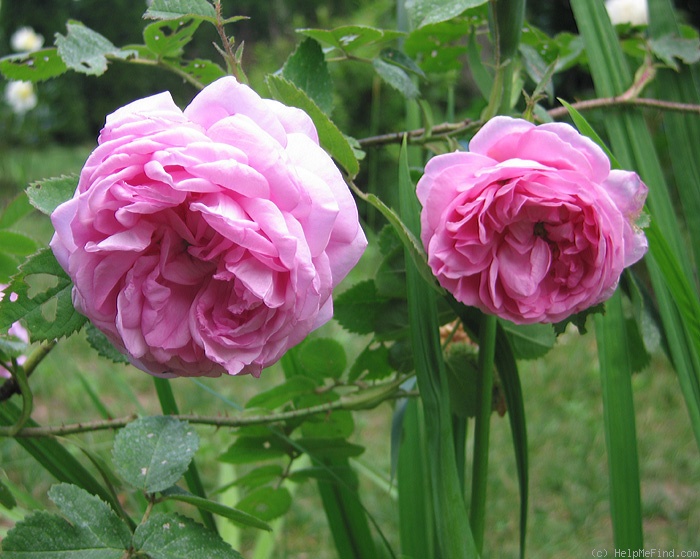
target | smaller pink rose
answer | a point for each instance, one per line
(16, 331)
(531, 224)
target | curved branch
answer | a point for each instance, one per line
(620, 101)
(363, 399)
(448, 129)
(421, 135)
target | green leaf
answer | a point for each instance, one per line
(43, 299)
(90, 530)
(168, 38)
(99, 342)
(90, 513)
(587, 130)
(173, 536)
(482, 77)
(347, 518)
(670, 47)
(307, 69)
(402, 60)
(13, 247)
(255, 449)
(539, 71)
(357, 308)
(425, 12)
(175, 9)
(240, 517)
(168, 406)
(260, 476)
(438, 46)
(620, 430)
(415, 503)
(323, 358)
(530, 341)
(371, 364)
(34, 66)
(47, 536)
(362, 310)
(396, 77)
(15, 210)
(53, 456)
(204, 71)
(349, 38)
(329, 448)
(85, 50)
(282, 393)
(46, 195)
(267, 503)
(152, 453)
(7, 499)
(461, 366)
(338, 424)
(507, 368)
(453, 534)
(17, 244)
(330, 137)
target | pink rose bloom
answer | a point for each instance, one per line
(16, 331)
(531, 224)
(207, 241)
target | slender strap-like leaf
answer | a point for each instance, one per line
(192, 478)
(482, 428)
(54, 457)
(620, 431)
(346, 516)
(454, 536)
(682, 130)
(416, 520)
(507, 368)
(634, 148)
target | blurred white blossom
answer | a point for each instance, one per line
(634, 12)
(25, 39)
(20, 95)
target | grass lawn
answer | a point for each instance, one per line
(569, 511)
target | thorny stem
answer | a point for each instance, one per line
(608, 102)
(230, 56)
(421, 135)
(363, 399)
(170, 67)
(449, 129)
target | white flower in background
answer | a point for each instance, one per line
(634, 12)
(25, 39)
(20, 96)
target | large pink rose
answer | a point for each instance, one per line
(531, 224)
(208, 240)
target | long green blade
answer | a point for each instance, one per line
(346, 516)
(192, 477)
(634, 148)
(416, 522)
(54, 457)
(682, 130)
(620, 431)
(454, 536)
